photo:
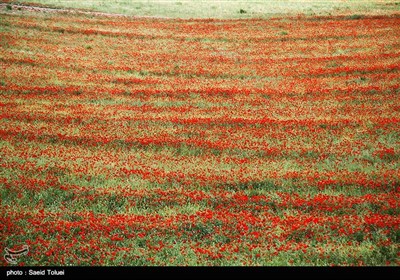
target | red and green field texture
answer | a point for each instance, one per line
(136, 142)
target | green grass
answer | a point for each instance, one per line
(224, 9)
(76, 201)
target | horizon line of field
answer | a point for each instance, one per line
(33, 8)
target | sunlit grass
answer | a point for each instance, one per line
(226, 9)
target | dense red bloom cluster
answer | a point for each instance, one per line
(200, 142)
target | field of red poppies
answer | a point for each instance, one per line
(128, 141)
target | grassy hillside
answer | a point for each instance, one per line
(226, 9)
